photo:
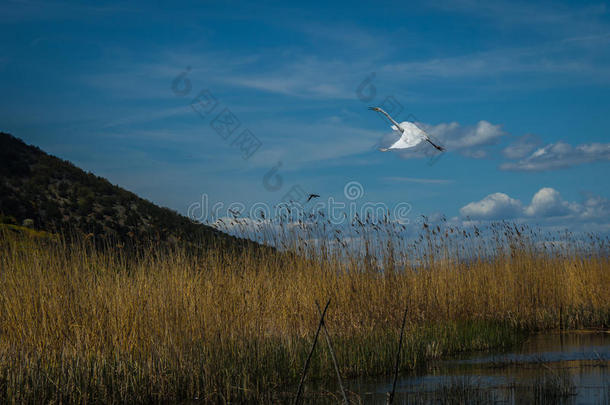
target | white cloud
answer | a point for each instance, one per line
(456, 136)
(546, 205)
(560, 155)
(494, 206)
(547, 202)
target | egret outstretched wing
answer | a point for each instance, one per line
(410, 134)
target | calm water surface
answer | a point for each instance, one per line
(576, 361)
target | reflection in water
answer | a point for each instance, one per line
(550, 368)
(554, 347)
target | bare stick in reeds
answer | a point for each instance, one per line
(332, 355)
(396, 365)
(313, 346)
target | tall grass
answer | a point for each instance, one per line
(84, 324)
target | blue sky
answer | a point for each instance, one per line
(518, 92)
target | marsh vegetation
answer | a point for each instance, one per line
(84, 323)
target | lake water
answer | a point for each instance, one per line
(570, 368)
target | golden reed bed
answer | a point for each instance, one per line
(80, 324)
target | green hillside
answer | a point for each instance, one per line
(43, 192)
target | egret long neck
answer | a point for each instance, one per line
(392, 121)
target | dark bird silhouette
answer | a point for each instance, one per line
(312, 196)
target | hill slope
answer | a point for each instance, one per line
(51, 194)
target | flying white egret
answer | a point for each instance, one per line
(410, 136)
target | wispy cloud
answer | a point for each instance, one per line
(417, 180)
(305, 85)
(299, 144)
(560, 155)
(523, 146)
(295, 72)
(554, 18)
(561, 57)
(149, 116)
(31, 10)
